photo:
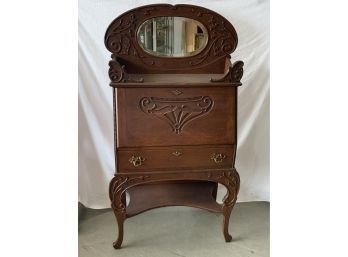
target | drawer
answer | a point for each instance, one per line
(173, 158)
(176, 116)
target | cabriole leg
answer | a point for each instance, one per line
(232, 185)
(118, 204)
(226, 212)
(120, 216)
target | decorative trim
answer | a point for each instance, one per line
(231, 180)
(122, 182)
(118, 185)
(121, 37)
(234, 74)
(175, 111)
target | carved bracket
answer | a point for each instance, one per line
(177, 112)
(234, 74)
(119, 184)
(231, 180)
(118, 73)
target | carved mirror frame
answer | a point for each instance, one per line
(121, 40)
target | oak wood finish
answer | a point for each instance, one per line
(175, 119)
(212, 122)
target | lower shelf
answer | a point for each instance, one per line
(193, 194)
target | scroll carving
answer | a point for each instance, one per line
(122, 182)
(118, 39)
(231, 181)
(118, 73)
(119, 184)
(223, 41)
(234, 74)
(121, 37)
(175, 111)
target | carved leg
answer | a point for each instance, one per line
(117, 191)
(226, 212)
(232, 185)
(120, 216)
(118, 204)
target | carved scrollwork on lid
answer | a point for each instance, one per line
(177, 112)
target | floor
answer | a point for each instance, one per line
(177, 231)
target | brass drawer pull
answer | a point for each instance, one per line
(136, 160)
(177, 153)
(218, 157)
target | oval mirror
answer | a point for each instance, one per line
(172, 36)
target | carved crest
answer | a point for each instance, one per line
(175, 111)
(121, 37)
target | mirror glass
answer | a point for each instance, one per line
(172, 36)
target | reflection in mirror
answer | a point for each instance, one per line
(172, 36)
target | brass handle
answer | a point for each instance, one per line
(136, 160)
(218, 157)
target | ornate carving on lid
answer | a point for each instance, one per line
(177, 112)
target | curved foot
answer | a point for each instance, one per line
(228, 238)
(117, 244)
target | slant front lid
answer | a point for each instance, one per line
(176, 116)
